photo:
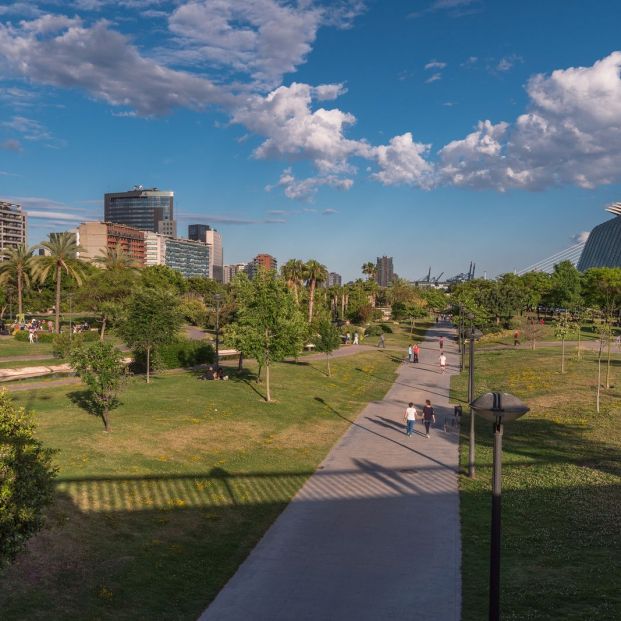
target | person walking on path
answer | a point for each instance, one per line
(381, 343)
(442, 363)
(516, 338)
(355, 338)
(429, 416)
(441, 343)
(410, 358)
(415, 352)
(410, 418)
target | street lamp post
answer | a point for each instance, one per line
(498, 408)
(471, 440)
(217, 297)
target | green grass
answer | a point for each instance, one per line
(18, 364)
(561, 491)
(152, 519)
(10, 346)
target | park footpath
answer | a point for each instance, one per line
(374, 534)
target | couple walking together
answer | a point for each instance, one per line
(428, 417)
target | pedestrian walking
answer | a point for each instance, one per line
(410, 354)
(516, 338)
(429, 416)
(381, 343)
(441, 342)
(347, 338)
(415, 352)
(442, 363)
(355, 338)
(31, 334)
(410, 418)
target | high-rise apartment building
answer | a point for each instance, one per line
(334, 280)
(230, 271)
(191, 258)
(261, 261)
(154, 249)
(12, 225)
(147, 209)
(95, 238)
(384, 274)
(211, 237)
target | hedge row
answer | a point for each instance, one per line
(181, 353)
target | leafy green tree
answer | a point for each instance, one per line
(269, 324)
(16, 266)
(563, 327)
(62, 252)
(116, 259)
(536, 285)
(565, 286)
(315, 273)
(204, 287)
(100, 366)
(152, 318)
(327, 339)
(26, 479)
(369, 269)
(602, 288)
(163, 277)
(294, 272)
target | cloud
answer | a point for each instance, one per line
(580, 238)
(508, 62)
(453, 8)
(4, 173)
(434, 78)
(435, 64)
(329, 212)
(29, 128)
(305, 189)
(11, 145)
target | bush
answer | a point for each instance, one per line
(181, 353)
(27, 481)
(374, 330)
(385, 328)
(50, 337)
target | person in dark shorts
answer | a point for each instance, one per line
(429, 416)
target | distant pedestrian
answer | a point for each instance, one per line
(429, 416)
(415, 352)
(31, 335)
(381, 343)
(516, 338)
(441, 342)
(409, 418)
(618, 342)
(355, 338)
(442, 363)
(347, 338)
(410, 354)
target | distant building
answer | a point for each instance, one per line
(147, 209)
(334, 279)
(189, 257)
(603, 246)
(12, 225)
(204, 233)
(230, 271)
(384, 274)
(95, 238)
(155, 249)
(261, 261)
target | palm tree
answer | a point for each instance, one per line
(293, 271)
(116, 259)
(315, 273)
(369, 269)
(63, 249)
(16, 265)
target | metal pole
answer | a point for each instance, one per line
(471, 443)
(217, 334)
(461, 338)
(494, 560)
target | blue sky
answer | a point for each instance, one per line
(435, 131)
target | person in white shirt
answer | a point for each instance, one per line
(409, 417)
(442, 363)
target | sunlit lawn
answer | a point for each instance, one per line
(12, 347)
(561, 491)
(153, 518)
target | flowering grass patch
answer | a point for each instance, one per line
(561, 491)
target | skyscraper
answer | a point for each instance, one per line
(334, 280)
(95, 238)
(145, 209)
(384, 272)
(261, 261)
(12, 225)
(204, 233)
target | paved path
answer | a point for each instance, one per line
(374, 534)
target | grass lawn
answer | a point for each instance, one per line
(10, 346)
(17, 364)
(561, 537)
(152, 519)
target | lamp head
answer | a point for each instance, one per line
(502, 406)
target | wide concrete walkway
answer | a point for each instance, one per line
(374, 534)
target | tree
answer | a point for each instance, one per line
(63, 249)
(563, 327)
(604, 332)
(369, 269)
(100, 366)
(269, 325)
(565, 286)
(293, 271)
(26, 479)
(532, 330)
(15, 266)
(116, 259)
(152, 318)
(602, 288)
(327, 339)
(163, 277)
(315, 273)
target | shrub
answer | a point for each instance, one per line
(182, 353)
(385, 328)
(374, 330)
(27, 481)
(50, 337)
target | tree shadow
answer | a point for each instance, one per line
(84, 400)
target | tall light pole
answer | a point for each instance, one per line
(498, 408)
(217, 297)
(471, 441)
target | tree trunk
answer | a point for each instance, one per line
(608, 367)
(103, 329)
(579, 342)
(240, 364)
(259, 374)
(148, 365)
(342, 306)
(106, 420)
(599, 378)
(57, 309)
(328, 361)
(311, 300)
(20, 293)
(268, 396)
(296, 297)
(562, 356)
